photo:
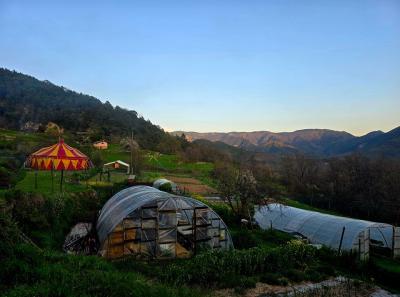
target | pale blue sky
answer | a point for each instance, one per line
(218, 65)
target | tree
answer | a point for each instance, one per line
(130, 144)
(54, 130)
(238, 189)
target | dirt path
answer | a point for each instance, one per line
(191, 185)
(336, 287)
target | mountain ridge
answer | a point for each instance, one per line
(319, 142)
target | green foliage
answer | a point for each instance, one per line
(96, 158)
(274, 279)
(386, 271)
(210, 268)
(244, 238)
(172, 163)
(32, 273)
(6, 177)
(46, 219)
(167, 187)
(44, 182)
(8, 234)
(353, 185)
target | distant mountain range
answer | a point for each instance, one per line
(317, 142)
(28, 103)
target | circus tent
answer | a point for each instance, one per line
(60, 157)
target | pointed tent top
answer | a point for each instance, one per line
(59, 156)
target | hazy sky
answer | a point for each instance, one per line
(218, 65)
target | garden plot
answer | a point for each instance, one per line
(192, 185)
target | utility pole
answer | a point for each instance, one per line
(131, 145)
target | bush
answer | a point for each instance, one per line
(243, 239)
(167, 187)
(210, 267)
(8, 235)
(30, 272)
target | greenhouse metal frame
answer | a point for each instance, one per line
(146, 222)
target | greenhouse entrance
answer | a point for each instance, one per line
(338, 233)
(147, 223)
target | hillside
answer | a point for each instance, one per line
(318, 142)
(28, 103)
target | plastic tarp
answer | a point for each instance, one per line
(127, 203)
(321, 228)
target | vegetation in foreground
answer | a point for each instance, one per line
(260, 256)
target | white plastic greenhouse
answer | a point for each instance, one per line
(336, 232)
(146, 222)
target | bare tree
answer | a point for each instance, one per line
(238, 189)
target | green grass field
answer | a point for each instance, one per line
(115, 177)
(172, 163)
(114, 153)
(44, 184)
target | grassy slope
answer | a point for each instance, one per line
(155, 165)
(45, 183)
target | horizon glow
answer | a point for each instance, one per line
(218, 66)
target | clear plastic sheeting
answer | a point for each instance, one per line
(322, 228)
(147, 221)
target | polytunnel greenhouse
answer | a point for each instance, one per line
(145, 222)
(336, 232)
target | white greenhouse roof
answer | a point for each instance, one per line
(119, 162)
(321, 228)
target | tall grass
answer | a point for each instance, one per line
(29, 272)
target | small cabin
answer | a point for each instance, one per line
(101, 145)
(117, 165)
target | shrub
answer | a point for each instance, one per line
(210, 267)
(243, 239)
(33, 273)
(167, 187)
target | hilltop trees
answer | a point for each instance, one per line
(25, 99)
(353, 185)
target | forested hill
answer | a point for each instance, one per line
(27, 100)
